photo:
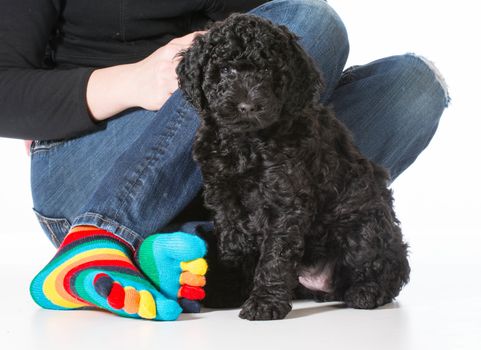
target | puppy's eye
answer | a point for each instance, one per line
(225, 70)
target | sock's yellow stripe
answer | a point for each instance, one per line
(146, 305)
(83, 228)
(197, 266)
(53, 284)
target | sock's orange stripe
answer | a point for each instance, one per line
(192, 279)
(132, 299)
(83, 228)
(62, 293)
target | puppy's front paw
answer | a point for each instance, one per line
(264, 308)
(366, 296)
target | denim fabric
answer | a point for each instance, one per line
(137, 176)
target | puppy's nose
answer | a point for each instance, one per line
(244, 107)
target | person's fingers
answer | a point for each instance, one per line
(181, 43)
(171, 52)
(189, 37)
(176, 59)
(186, 39)
(199, 32)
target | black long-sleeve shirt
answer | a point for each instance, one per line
(49, 48)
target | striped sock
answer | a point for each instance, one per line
(93, 269)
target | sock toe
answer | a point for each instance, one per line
(170, 309)
(103, 284)
(117, 296)
(190, 306)
(147, 307)
(192, 279)
(132, 300)
(197, 266)
(192, 293)
(161, 256)
(128, 296)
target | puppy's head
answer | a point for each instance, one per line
(248, 73)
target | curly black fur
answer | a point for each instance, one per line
(290, 193)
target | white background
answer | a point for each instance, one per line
(437, 199)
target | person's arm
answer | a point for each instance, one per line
(38, 103)
(146, 84)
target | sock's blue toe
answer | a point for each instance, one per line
(196, 227)
(189, 306)
(160, 255)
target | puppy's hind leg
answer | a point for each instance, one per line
(374, 265)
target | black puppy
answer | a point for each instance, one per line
(294, 201)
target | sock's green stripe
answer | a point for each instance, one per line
(147, 260)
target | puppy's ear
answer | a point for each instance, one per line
(305, 80)
(190, 71)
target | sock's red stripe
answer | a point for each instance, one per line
(117, 296)
(96, 264)
(75, 236)
(192, 293)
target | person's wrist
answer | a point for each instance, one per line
(126, 86)
(111, 90)
(133, 87)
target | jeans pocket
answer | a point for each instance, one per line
(44, 145)
(55, 228)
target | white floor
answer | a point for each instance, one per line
(437, 201)
(439, 309)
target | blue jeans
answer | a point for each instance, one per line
(137, 177)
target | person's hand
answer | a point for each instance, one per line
(147, 83)
(156, 78)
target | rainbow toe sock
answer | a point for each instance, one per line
(175, 265)
(93, 269)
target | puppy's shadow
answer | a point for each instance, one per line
(317, 309)
(333, 306)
